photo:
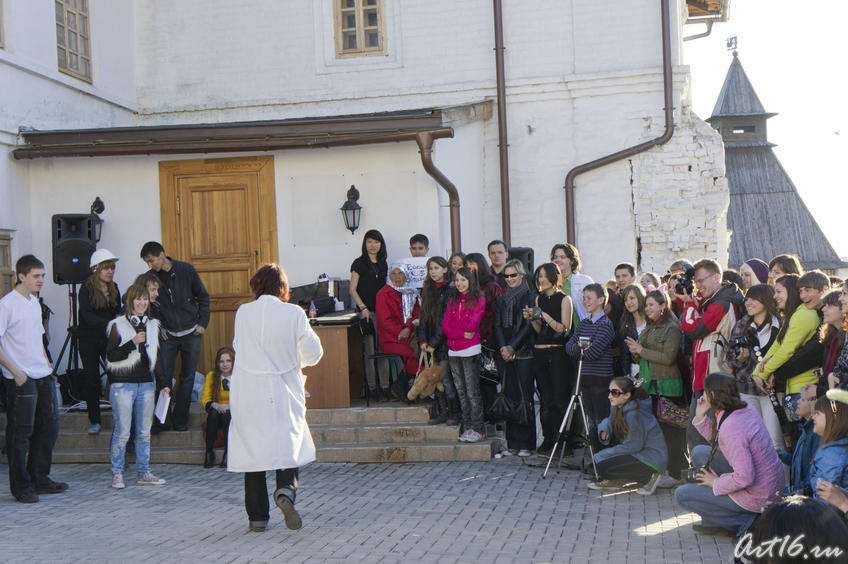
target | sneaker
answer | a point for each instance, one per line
(651, 486)
(93, 429)
(290, 514)
(524, 453)
(474, 436)
(150, 480)
(118, 481)
(605, 485)
(463, 438)
(27, 497)
(666, 481)
(257, 526)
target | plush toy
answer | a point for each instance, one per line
(428, 380)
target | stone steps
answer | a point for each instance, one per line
(392, 433)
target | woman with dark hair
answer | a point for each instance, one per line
(633, 322)
(839, 376)
(639, 454)
(99, 303)
(273, 342)
(799, 325)
(830, 462)
(739, 472)
(490, 290)
(131, 355)
(831, 335)
(461, 327)
(455, 262)
(216, 401)
(367, 276)
(431, 339)
(514, 337)
(552, 323)
(782, 265)
(567, 258)
(656, 351)
(750, 341)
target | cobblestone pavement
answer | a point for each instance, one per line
(499, 512)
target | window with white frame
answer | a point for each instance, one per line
(359, 28)
(73, 48)
(7, 271)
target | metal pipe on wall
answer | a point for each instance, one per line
(503, 145)
(668, 90)
(425, 146)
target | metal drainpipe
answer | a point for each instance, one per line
(425, 146)
(503, 145)
(668, 87)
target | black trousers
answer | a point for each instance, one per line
(625, 467)
(555, 382)
(256, 491)
(32, 426)
(91, 349)
(675, 442)
(520, 370)
(215, 421)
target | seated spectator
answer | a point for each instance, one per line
(597, 371)
(753, 271)
(807, 522)
(730, 275)
(656, 352)
(740, 471)
(830, 462)
(216, 401)
(781, 265)
(750, 341)
(639, 454)
(650, 281)
(397, 311)
(800, 460)
(514, 337)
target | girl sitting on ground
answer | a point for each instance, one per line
(216, 401)
(640, 454)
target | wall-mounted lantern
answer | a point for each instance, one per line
(351, 210)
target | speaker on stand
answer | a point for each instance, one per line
(525, 255)
(74, 239)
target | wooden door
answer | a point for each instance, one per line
(220, 216)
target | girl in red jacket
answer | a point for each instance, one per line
(461, 327)
(397, 316)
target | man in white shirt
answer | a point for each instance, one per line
(32, 417)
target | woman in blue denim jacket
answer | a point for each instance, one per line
(830, 463)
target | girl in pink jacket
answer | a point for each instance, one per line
(461, 327)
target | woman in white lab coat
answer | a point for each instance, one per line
(273, 342)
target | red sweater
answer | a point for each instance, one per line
(460, 319)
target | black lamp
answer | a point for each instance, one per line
(351, 210)
(97, 207)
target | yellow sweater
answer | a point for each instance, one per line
(223, 395)
(802, 327)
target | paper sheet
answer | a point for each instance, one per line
(161, 411)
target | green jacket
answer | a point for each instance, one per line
(660, 346)
(802, 327)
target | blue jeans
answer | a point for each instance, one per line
(715, 510)
(32, 426)
(189, 348)
(131, 403)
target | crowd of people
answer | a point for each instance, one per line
(704, 379)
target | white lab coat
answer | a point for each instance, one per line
(273, 342)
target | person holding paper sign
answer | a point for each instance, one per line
(131, 355)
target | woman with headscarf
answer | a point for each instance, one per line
(397, 314)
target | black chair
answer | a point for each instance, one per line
(373, 358)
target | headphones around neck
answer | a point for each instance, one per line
(136, 320)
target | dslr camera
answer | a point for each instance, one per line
(584, 342)
(746, 341)
(685, 282)
(690, 475)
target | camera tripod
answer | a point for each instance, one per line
(576, 400)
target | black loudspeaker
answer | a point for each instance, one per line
(525, 256)
(73, 244)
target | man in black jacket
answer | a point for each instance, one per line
(184, 313)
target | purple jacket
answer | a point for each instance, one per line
(758, 474)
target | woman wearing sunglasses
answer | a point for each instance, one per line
(216, 400)
(639, 453)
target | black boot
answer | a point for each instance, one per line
(400, 388)
(452, 417)
(209, 461)
(224, 459)
(439, 409)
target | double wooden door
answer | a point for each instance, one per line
(220, 216)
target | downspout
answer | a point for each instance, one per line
(425, 146)
(503, 145)
(668, 88)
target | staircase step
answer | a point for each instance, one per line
(328, 435)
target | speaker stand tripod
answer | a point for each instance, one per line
(567, 421)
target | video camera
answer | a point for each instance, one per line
(685, 281)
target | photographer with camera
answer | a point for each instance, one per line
(733, 477)
(707, 317)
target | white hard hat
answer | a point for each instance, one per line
(101, 255)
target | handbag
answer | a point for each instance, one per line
(672, 414)
(506, 409)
